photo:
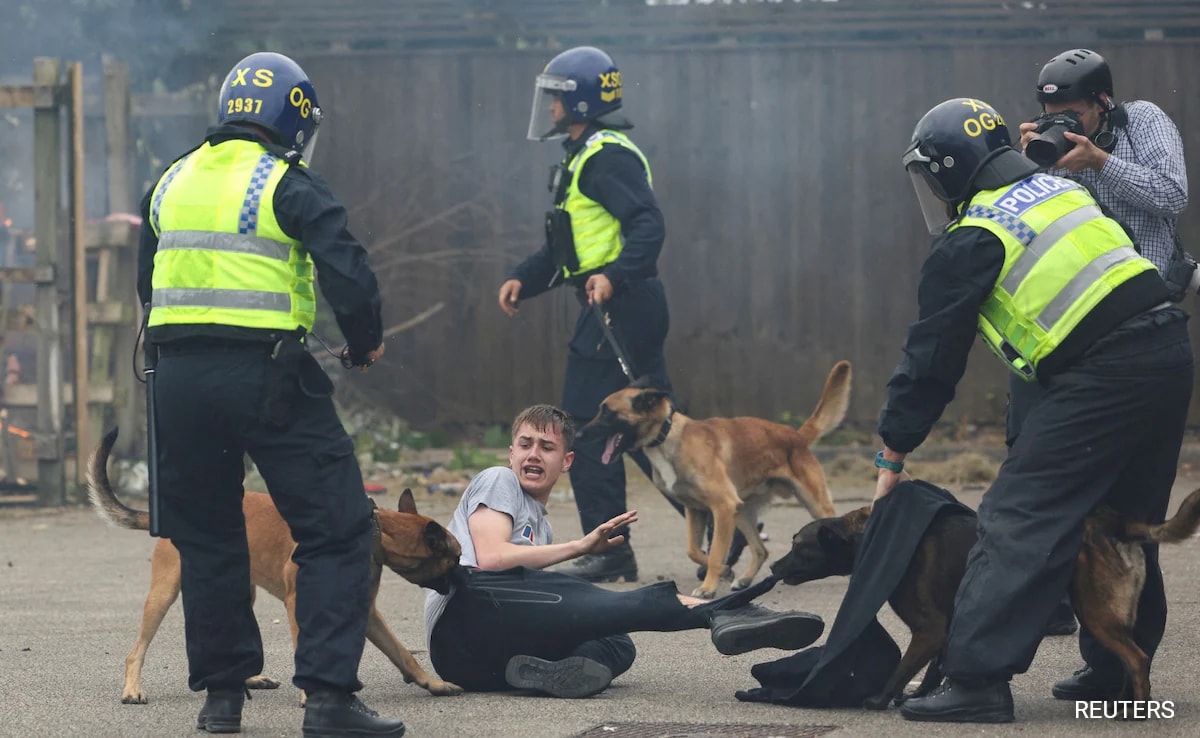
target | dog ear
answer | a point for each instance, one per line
(831, 535)
(646, 401)
(407, 503)
(435, 538)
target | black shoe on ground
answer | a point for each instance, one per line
(611, 566)
(956, 701)
(572, 677)
(751, 627)
(1062, 622)
(1088, 684)
(222, 711)
(340, 714)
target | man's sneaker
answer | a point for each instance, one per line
(222, 711)
(338, 714)
(753, 626)
(610, 566)
(572, 677)
(1087, 684)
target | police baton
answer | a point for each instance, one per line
(150, 357)
(606, 325)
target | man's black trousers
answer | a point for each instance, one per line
(1106, 430)
(495, 615)
(211, 396)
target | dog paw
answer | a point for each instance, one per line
(134, 698)
(441, 688)
(704, 594)
(741, 584)
(303, 698)
(261, 682)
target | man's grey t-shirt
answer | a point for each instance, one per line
(496, 488)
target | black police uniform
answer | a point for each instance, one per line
(1107, 429)
(220, 394)
(616, 179)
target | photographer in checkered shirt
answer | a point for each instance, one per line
(1130, 156)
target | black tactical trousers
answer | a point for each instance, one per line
(211, 397)
(1106, 430)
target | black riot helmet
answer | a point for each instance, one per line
(1078, 74)
(950, 145)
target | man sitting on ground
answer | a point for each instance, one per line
(506, 624)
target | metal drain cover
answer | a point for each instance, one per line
(705, 730)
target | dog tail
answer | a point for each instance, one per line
(1178, 528)
(101, 495)
(831, 408)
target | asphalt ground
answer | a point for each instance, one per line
(72, 588)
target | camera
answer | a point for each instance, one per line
(1182, 276)
(1050, 143)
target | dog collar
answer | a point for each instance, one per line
(376, 534)
(663, 432)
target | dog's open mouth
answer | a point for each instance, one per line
(612, 448)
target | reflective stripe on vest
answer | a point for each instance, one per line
(222, 258)
(597, 234)
(1062, 257)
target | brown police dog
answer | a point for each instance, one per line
(1109, 575)
(728, 467)
(414, 546)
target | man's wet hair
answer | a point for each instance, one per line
(547, 417)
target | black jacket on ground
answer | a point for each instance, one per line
(859, 655)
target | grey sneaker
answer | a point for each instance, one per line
(752, 626)
(572, 677)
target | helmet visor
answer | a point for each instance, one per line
(548, 119)
(929, 191)
(306, 154)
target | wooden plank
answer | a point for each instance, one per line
(110, 234)
(48, 165)
(79, 295)
(107, 314)
(27, 96)
(41, 274)
(25, 395)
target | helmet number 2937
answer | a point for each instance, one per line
(243, 105)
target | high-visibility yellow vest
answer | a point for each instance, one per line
(596, 232)
(222, 258)
(1062, 257)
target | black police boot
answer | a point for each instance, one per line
(752, 626)
(222, 711)
(1087, 684)
(572, 677)
(337, 714)
(1062, 621)
(611, 566)
(962, 701)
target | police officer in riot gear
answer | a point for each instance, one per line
(1059, 293)
(236, 234)
(603, 239)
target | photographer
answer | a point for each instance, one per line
(1130, 156)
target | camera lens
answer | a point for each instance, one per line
(1049, 146)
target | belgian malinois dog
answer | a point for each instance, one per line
(1108, 580)
(728, 467)
(414, 546)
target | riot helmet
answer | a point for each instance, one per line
(272, 91)
(950, 145)
(587, 84)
